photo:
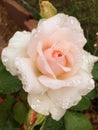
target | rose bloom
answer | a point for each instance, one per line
(51, 63)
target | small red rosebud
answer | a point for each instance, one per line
(33, 117)
(1, 100)
(23, 127)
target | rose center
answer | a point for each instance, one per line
(57, 53)
(55, 60)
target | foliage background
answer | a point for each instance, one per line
(14, 108)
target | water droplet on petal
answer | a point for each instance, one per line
(38, 31)
(5, 59)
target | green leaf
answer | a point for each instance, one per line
(23, 95)
(11, 124)
(6, 104)
(50, 124)
(8, 83)
(85, 101)
(20, 112)
(95, 71)
(82, 105)
(5, 109)
(2, 123)
(92, 94)
(76, 121)
(1, 66)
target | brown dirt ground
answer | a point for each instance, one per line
(7, 28)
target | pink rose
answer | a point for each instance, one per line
(52, 65)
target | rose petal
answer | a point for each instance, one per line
(28, 76)
(60, 20)
(68, 35)
(16, 48)
(42, 104)
(8, 58)
(50, 25)
(56, 111)
(88, 61)
(45, 27)
(20, 39)
(74, 81)
(72, 54)
(45, 64)
(39, 103)
(69, 96)
(65, 97)
(73, 23)
(66, 69)
(57, 83)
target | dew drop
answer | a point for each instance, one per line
(5, 59)
(38, 31)
(38, 101)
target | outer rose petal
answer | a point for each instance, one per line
(69, 35)
(42, 104)
(57, 83)
(20, 39)
(60, 20)
(65, 97)
(28, 76)
(49, 26)
(73, 81)
(70, 96)
(8, 58)
(16, 48)
(88, 61)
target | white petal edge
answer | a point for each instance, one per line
(65, 97)
(20, 39)
(28, 76)
(8, 57)
(42, 104)
(58, 21)
(51, 83)
(50, 25)
(69, 96)
(88, 61)
(16, 48)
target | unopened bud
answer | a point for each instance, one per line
(1, 100)
(47, 10)
(32, 116)
(33, 119)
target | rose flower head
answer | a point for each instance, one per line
(50, 61)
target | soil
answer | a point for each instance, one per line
(7, 28)
(92, 113)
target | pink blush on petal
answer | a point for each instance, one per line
(54, 58)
